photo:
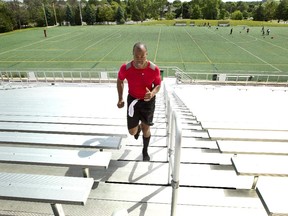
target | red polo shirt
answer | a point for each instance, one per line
(139, 79)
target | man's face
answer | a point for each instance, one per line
(139, 56)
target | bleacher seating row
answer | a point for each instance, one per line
(51, 135)
(257, 146)
(208, 181)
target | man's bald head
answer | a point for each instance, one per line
(139, 55)
(139, 46)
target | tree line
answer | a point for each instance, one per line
(16, 15)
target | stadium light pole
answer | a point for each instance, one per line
(80, 9)
(45, 15)
(182, 10)
(54, 13)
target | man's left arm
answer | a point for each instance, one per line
(155, 90)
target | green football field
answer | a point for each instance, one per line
(192, 49)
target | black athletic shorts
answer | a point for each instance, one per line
(143, 111)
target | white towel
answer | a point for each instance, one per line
(131, 107)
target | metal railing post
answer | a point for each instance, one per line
(169, 140)
(177, 132)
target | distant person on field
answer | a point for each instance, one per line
(231, 31)
(268, 31)
(144, 82)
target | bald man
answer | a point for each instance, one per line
(144, 83)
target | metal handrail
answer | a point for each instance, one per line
(235, 77)
(62, 75)
(177, 133)
(174, 137)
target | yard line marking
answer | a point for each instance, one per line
(75, 38)
(111, 36)
(199, 47)
(104, 38)
(118, 36)
(179, 50)
(267, 63)
(113, 61)
(265, 41)
(157, 46)
(44, 40)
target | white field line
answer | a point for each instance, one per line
(267, 63)
(157, 46)
(199, 47)
(44, 40)
(103, 39)
(115, 47)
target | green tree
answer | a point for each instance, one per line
(196, 12)
(14, 13)
(211, 9)
(49, 15)
(69, 15)
(77, 16)
(35, 10)
(106, 13)
(60, 9)
(154, 11)
(223, 14)
(89, 15)
(120, 16)
(135, 12)
(270, 9)
(186, 12)
(259, 13)
(230, 7)
(170, 15)
(241, 6)
(98, 18)
(282, 10)
(178, 8)
(93, 2)
(159, 8)
(6, 23)
(237, 15)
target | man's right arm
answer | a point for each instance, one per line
(120, 88)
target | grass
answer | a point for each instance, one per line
(215, 22)
(192, 49)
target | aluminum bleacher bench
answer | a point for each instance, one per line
(252, 147)
(271, 126)
(248, 135)
(272, 193)
(56, 190)
(260, 165)
(55, 157)
(62, 120)
(64, 128)
(60, 140)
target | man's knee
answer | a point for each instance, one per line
(133, 131)
(145, 130)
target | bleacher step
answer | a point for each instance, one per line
(54, 157)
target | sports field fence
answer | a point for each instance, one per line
(110, 75)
